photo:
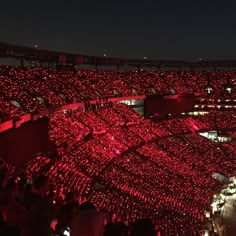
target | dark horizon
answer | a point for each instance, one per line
(152, 29)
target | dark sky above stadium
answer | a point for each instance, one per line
(132, 29)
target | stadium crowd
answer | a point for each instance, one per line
(27, 90)
(115, 173)
(128, 167)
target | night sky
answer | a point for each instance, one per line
(164, 29)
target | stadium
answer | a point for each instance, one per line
(140, 139)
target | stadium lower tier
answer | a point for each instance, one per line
(136, 168)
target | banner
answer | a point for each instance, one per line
(6, 125)
(62, 58)
(79, 60)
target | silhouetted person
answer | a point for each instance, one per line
(14, 212)
(67, 213)
(87, 206)
(41, 210)
(88, 223)
(143, 227)
(116, 229)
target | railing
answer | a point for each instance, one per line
(15, 123)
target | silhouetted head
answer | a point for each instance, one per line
(3, 178)
(87, 206)
(41, 184)
(116, 229)
(143, 227)
(88, 223)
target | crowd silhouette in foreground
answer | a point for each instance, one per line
(28, 209)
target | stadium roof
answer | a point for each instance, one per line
(46, 56)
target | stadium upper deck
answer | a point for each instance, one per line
(28, 89)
